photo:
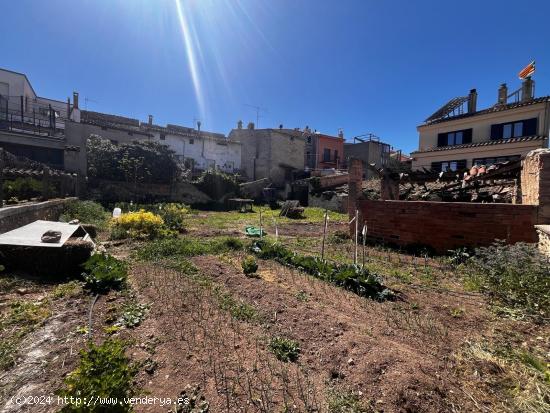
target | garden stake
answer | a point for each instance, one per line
(324, 235)
(356, 235)
(364, 232)
(261, 223)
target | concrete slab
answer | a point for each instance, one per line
(30, 235)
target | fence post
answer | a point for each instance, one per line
(324, 235)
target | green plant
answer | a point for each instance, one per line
(513, 275)
(302, 296)
(187, 247)
(104, 272)
(284, 349)
(350, 277)
(173, 215)
(104, 372)
(342, 400)
(67, 290)
(140, 224)
(238, 309)
(88, 212)
(249, 265)
(133, 314)
(22, 188)
(216, 184)
(339, 237)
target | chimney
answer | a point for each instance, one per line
(251, 125)
(75, 100)
(150, 120)
(281, 126)
(527, 89)
(341, 133)
(472, 101)
(199, 125)
(502, 94)
(240, 124)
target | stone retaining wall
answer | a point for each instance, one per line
(16, 216)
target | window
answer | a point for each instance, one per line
(445, 166)
(491, 161)
(309, 139)
(162, 137)
(454, 138)
(191, 141)
(326, 155)
(516, 129)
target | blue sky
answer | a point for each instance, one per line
(361, 65)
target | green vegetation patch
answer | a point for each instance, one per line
(21, 319)
(87, 212)
(250, 266)
(104, 372)
(516, 276)
(350, 277)
(187, 247)
(103, 272)
(284, 349)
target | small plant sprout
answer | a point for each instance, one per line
(250, 266)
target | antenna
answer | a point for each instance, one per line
(258, 109)
(86, 100)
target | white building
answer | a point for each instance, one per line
(199, 150)
(19, 102)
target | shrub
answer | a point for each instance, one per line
(133, 314)
(135, 162)
(250, 266)
(22, 188)
(104, 372)
(216, 184)
(284, 349)
(140, 224)
(350, 277)
(173, 216)
(514, 275)
(104, 272)
(88, 212)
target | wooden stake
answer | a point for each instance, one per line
(324, 235)
(364, 242)
(261, 232)
(356, 235)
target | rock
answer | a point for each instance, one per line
(74, 222)
(51, 237)
(351, 362)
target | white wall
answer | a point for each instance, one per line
(17, 83)
(205, 151)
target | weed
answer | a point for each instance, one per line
(104, 272)
(302, 296)
(133, 314)
(238, 309)
(250, 266)
(187, 247)
(513, 275)
(110, 330)
(88, 212)
(104, 372)
(339, 237)
(21, 319)
(457, 312)
(67, 290)
(342, 400)
(284, 349)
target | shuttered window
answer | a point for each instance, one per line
(516, 129)
(453, 138)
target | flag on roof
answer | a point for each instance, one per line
(527, 70)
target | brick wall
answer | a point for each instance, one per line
(446, 225)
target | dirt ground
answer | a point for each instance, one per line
(212, 330)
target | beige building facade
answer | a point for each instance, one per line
(460, 139)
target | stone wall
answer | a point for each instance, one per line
(535, 183)
(12, 217)
(447, 225)
(543, 232)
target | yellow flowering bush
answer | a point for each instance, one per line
(139, 224)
